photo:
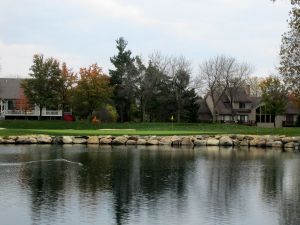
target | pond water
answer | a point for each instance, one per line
(72, 185)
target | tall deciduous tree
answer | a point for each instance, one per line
(43, 88)
(214, 75)
(92, 91)
(180, 73)
(290, 52)
(69, 80)
(124, 79)
(274, 95)
(236, 81)
(222, 75)
(254, 82)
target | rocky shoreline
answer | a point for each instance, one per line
(266, 141)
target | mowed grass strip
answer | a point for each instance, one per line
(58, 128)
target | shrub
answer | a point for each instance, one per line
(107, 113)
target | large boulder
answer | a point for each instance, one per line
(57, 140)
(240, 137)
(134, 138)
(131, 142)
(235, 142)
(289, 145)
(93, 140)
(244, 142)
(121, 140)
(26, 140)
(200, 142)
(257, 142)
(79, 140)
(152, 142)
(287, 140)
(212, 142)
(141, 141)
(261, 143)
(67, 140)
(277, 144)
(165, 141)
(176, 140)
(105, 141)
(44, 139)
(186, 141)
(8, 141)
(225, 141)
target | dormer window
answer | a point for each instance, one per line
(242, 105)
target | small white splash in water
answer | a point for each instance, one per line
(37, 161)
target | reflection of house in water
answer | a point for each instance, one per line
(246, 109)
(14, 104)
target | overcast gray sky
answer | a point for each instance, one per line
(82, 32)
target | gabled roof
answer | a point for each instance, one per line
(204, 112)
(291, 106)
(255, 101)
(10, 88)
(223, 108)
(241, 95)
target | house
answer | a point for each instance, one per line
(14, 104)
(246, 109)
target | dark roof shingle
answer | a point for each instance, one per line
(10, 88)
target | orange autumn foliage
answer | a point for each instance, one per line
(23, 103)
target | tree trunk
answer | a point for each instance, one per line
(178, 107)
(144, 112)
(178, 114)
(41, 111)
(214, 115)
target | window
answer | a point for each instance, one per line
(11, 104)
(262, 116)
(242, 105)
(290, 118)
(268, 118)
(257, 118)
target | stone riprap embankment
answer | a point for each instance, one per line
(245, 141)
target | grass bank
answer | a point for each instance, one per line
(20, 127)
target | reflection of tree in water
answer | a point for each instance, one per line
(147, 174)
(290, 199)
(134, 177)
(272, 177)
(133, 174)
(229, 176)
(281, 186)
(45, 182)
(224, 179)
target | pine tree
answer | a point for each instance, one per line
(124, 79)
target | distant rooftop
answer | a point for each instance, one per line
(10, 88)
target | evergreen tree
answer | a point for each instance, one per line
(124, 79)
(190, 106)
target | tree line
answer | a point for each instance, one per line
(161, 89)
(133, 91)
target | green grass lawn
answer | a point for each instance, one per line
(21, 127)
